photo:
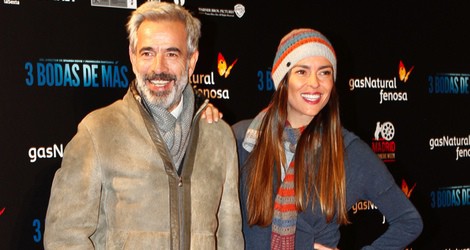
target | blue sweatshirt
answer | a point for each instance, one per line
(367, 178)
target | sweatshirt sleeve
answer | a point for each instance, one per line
(369, 179)
(73, 209)
(229, 233)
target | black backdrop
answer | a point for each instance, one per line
(60, 59)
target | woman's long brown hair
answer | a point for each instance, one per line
(319, 162)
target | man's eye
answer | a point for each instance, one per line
(172, 54)
(146, 54)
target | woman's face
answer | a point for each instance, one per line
(309, 85)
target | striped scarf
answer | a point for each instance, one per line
(285, 212)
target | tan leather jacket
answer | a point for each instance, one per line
(115, 190)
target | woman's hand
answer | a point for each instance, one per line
(317, 246)
(211, 113)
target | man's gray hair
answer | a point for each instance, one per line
(159, 11)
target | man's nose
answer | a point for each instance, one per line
(160, 64)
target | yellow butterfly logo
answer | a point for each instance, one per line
(406, 189)
(402, 73)
(222, 66)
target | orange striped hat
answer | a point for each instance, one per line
(297, 45)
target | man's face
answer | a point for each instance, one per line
(161, 62)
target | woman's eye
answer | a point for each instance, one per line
(325, 73)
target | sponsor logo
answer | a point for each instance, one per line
(448, 84)
(461, 144)
(369, 205)
(382, 143)
(237, 11)
(76, 73)
(180, 2)
(388, 86)
(123, 4)
(407, 190)
(222, 67)
(206, 82)
(454, 196)
(12, 2)
(54, 151)
(362, 206)
(403, 73)
(365, 205)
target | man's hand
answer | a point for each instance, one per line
(211, 113)
(317, 246)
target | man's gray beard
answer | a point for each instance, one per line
(165, 99)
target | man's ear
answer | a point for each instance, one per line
(193, 61)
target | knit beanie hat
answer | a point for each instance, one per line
(297, 45)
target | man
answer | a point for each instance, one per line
(146, 172)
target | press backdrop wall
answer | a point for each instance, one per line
(403, 79)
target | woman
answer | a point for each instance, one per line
(301, 171)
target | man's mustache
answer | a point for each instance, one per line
(161, 76)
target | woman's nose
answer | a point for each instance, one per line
(313, 81)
